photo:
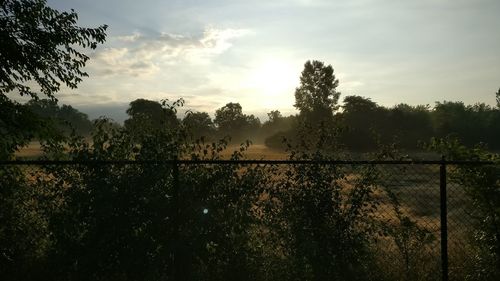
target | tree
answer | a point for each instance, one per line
(498, 98)
(198, 124)
(277, 127)
(411, 125)
(230, 119)
(355, 104)
(147, 117)
(481, 186)
(40, 44)
(65, 118)
(40, 50)
(18, 125)
(274, 116)
(272, 125)
(316, 97)
(360, 117)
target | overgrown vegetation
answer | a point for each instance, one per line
(150, 221)
(221, 222)
(482, 186)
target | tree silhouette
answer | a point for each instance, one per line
(316, 97)
(231, 121)
(198, 124)
(148, 116)
(497, 95)
(40, 44)
(40, 50)
(360, 115)
(65, 117)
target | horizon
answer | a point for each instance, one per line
(253, 53)
(118, 114)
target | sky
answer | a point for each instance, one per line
(211, 52)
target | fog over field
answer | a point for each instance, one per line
(252, 52)
(246, 140)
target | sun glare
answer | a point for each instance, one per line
(273, 81)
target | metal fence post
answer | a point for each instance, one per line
(175, 219)
(444, 220)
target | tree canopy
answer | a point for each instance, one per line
(147, 116)
(231, 121)
(198, 124)
(497, 95)
(65, 117)
(42, 45)
(40, 51)
(317, 94)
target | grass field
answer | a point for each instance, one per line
(33, 149)
(416, 187)
(255, 151)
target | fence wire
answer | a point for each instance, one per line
(241, 220)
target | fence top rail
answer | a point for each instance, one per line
(247, 162)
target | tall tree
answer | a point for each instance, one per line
(229, 118)
(498, 98)
(317, 97)
(274, 116)
(40, 50)
(42, 45)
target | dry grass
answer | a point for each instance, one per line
(417, 190)
(254, 152)
(33, 149)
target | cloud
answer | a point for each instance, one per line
(144, 55)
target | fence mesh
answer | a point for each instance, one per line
(235, 221)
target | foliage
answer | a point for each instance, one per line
(497, 96)
(362, 124)
(231, 121)
(25, 210)
(317, 90)
(277, 127)
(128, 222)
(412, 241)
(322, 225)
(198, 125)
(361, 117)
(148, 116)
(482, 184)
(18, 126)
(472, 124)
(40, 51)
(39, 45)
(65, 117)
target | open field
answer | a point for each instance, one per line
(255, 151)
(414, 245)
(33, 149)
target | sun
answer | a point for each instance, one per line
(272, 78)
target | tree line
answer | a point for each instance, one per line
(202, 222)
(360, 123)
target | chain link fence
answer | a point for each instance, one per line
(244, 220)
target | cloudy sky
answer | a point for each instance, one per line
(211, 52)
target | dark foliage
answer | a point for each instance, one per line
(38, 45)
